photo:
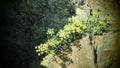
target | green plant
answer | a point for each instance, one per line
(75, 26)
(95, 24)
(59, 41)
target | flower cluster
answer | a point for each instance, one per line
(95, 25)
(50, 32)
(62, 34)
(75, 25)
(44, 48)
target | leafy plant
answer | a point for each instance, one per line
(75, 26)
(95, 24)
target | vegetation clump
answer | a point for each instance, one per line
(74, 28)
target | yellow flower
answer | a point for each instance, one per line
(37, 50)
(36, 47)
(78, 30)
(95, 13)
(52, 42)
(77, 22)
(69, 19)
(84, 26)
(67, 27)
(50, 31)
(39, 54)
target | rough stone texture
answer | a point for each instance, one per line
(105, 50)
(54, 65)
(98, 52)
(86, 54)
(102, 53)
(104, 47)
(83, 58)
(116, 54)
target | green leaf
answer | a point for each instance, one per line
(64, 46)
(52, 52)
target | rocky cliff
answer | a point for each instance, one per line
(26, 22)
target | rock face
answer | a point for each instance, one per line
(97, 51)
(105, 49)
(101, 53)
(31, 18)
